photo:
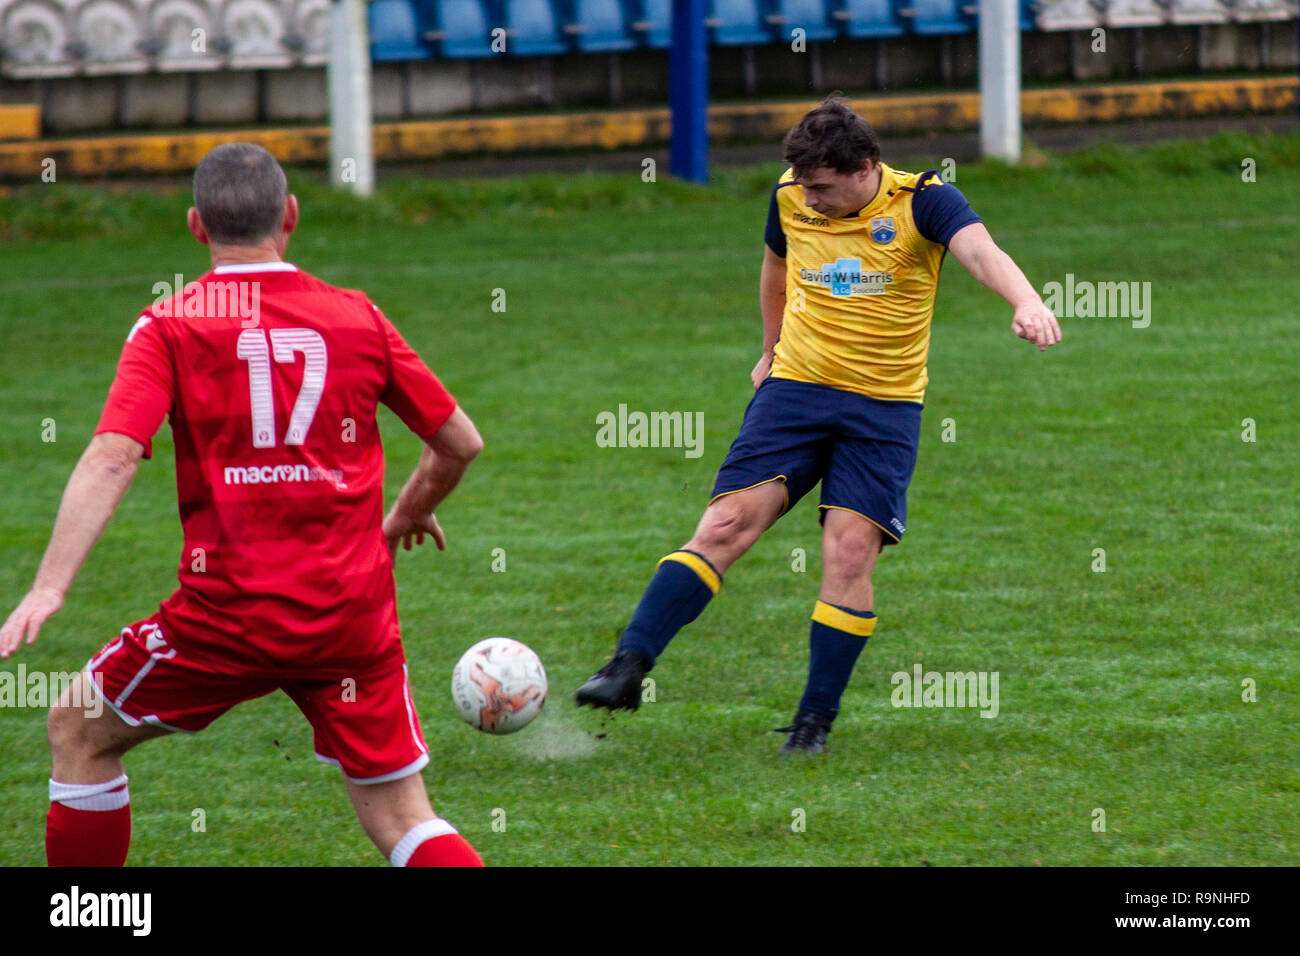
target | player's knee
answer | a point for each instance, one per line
(725, 524)
(67, 731)
(851, 554)
(75, 735)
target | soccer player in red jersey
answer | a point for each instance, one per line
(270, 379)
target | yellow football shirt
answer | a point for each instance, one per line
(860, 290)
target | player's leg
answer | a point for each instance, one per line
(89, 822)
(366, 724)
(683, 585)
(400, 821)
(734, 521)
(687, 579)
(864, 508)
(845, 613)
(850, 546)
(776, 458)
(143, 686)
(842, 621)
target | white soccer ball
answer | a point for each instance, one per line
(499, 685)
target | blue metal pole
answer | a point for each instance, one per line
(688, 92)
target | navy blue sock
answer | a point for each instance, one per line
(683, 584)
(837, 637)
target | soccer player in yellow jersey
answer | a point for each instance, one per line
(850, 269)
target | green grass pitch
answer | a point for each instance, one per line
(1120, 691)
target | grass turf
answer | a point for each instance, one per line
(1120, 690)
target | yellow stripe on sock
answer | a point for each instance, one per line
(832, 616)
(698, 565)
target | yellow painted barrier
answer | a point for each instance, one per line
(20, 121)
(131, 154)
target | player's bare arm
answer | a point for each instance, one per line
(93, 493)
(993, 268)
(443, 462)
(771, 301)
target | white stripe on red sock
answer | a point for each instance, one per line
(110, 795)
(407, 845)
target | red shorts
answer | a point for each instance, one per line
(364, 723)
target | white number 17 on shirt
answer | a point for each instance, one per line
(253, 349)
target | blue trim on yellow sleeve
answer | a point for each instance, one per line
(939, 209)
(774, 235)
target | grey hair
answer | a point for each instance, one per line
(239, 190)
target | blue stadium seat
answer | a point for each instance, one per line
(810, 15)
(869, 18)
(395, 33)
(936, 17)
(532, 28)
(651, 22)
(737, 23)
(597, 26)
(459, 29)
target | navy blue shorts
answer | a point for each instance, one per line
(861, 449)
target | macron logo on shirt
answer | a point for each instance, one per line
(275, 474)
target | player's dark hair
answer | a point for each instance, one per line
(239, 190)
(831, 135)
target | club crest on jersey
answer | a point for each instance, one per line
(883, 230)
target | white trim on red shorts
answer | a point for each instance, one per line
(141, 674)
(94, 662)
(150, 719)
(415, 766)
(410, 710)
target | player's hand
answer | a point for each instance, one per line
(37, 607)
(411, 531)
(1037, 324)
(761, 370)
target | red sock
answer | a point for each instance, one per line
(434, 843)
(88, 824)
(450, 850)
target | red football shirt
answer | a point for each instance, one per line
(271, 379)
